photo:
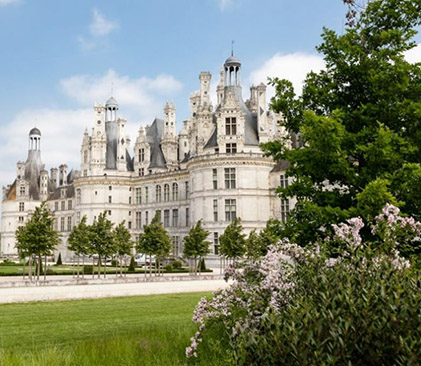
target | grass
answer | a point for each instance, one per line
(145, 330)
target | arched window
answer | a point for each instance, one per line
(175, 192)
(166, 193)
(158, 196)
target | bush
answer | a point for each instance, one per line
(177, 264)
(132, 266)
(202, 265)
(88, 269)
(59, 262)
(169, 267)
(114, 263)
(299, 307)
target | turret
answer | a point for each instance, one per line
(63, 175)
(54, 176)
(169, 119)
(205, 79)
(262, 123)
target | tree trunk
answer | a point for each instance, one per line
(105, 266)
(23, 270)
(45, 268)
(30, 268)
(121, 266)
(93, 267)
(99, 266)
(39, 266)
(83, 266)
(78, 263)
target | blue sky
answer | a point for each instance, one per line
(60, 57)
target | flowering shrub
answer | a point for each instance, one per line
(297, 306)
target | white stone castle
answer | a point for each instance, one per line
(213, 170)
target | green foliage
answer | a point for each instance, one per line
(100, 235)
(257, 245)
(232, 241)
(38, 237)
(358, 121)
(79, 239)
(177, 264)
(202, 265)
(132, 265)
(122, 240)
(155, 239)
(59, 261)
(195, 243)
(372, 320)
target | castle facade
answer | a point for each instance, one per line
(212, 170)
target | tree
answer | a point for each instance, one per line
(359, 123)
(79, 241)
(232, 241)
(253, 246)
(38, 237)
(101, 239)
(59, 261)
(154, 241)
(195, 243)
(122, 243)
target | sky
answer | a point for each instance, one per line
(59, 58)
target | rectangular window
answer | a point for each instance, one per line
(22, 190)
(77, 217)
(158, 193)
(109, 212)
(216, 243)
(187, 191)
(56, 206)
(138, 196)
(69, 223)
(166, 192)
(138, 220)
(130, 213)
(110, 188)
(146, 218)
(215, 210)
(284, 210)
(187, 216)
(175, 218)
(21, 206)
(129, 224)
(230, 126)
(231, 148)
(229, 178)
(146, 194)
(284, 181)
(230, 210)
(110, 199)
(141, 155)
(69, 205)
(215, 178)
(175, 192)
(141, 172)
(130, 200)
(21, 219)
(78, 196)
(166, 218)
(63, 205)
(62, 224)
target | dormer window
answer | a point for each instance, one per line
(230, 126)
(22, 190)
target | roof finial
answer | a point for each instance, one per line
(232, 48)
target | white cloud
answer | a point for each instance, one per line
(101, 26)
(8, 2)
(414, 55)
(62, 132)
(140, 99)
(293, 67)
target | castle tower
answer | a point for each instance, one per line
(62, 175)
(169, 142)
(169, 119)
(221, 86)
(111, 130)
(262, 120)
(205, 79)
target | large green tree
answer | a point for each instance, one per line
(154, 241)
(101, 240)
(358, 121)
(232, 241)
(38, 237)
(195, 244)
(78, 241)
(122, 243)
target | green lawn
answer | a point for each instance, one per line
(146, 330)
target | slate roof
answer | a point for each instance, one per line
(154, 138)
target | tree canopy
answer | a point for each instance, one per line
(232, 241)
(358, 120)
